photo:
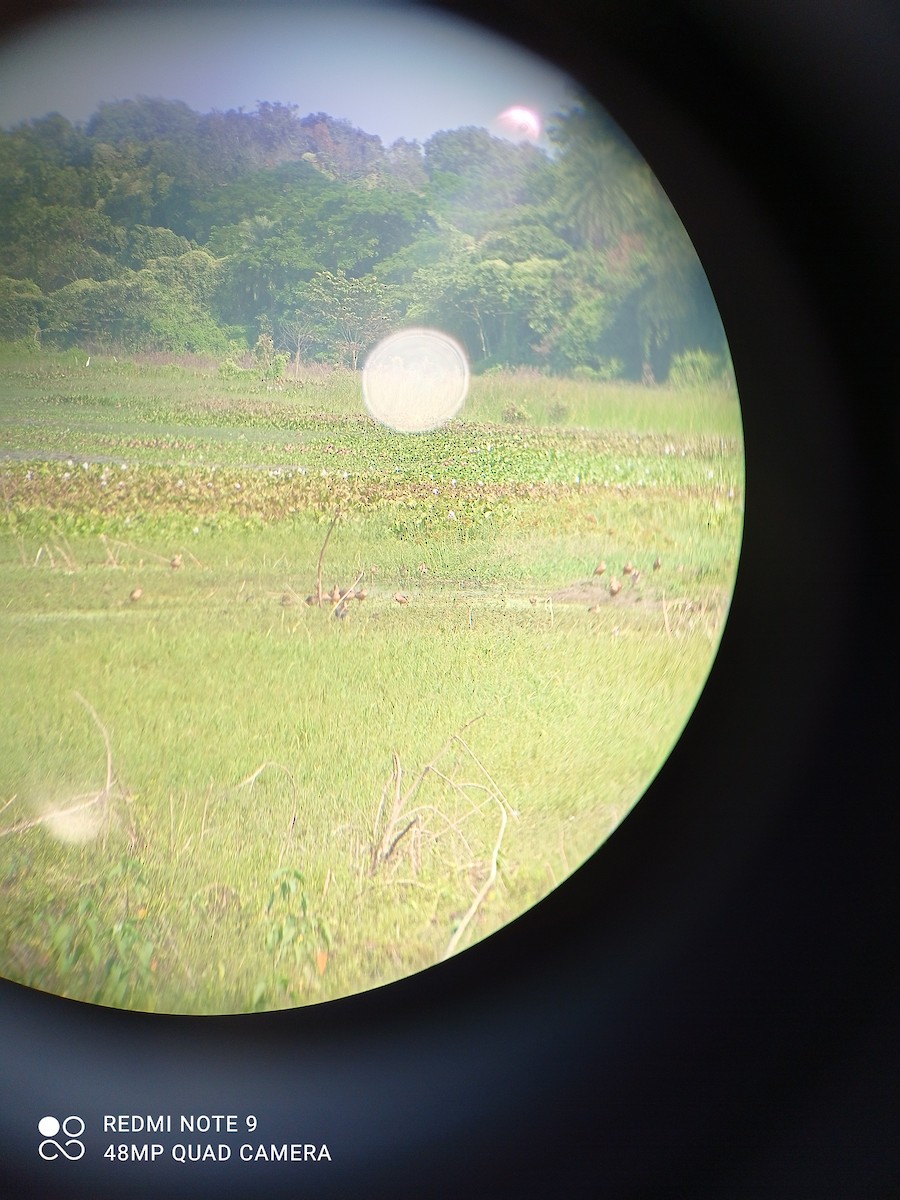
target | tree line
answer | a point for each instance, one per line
(154, 227)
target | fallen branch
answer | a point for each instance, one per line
(483, 891)
(105, 735)
(485, 772)
(400, 801)
(400, 836)
(387, 833)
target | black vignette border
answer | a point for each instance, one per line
(707, 1007)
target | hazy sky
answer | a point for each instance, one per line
(391, 70)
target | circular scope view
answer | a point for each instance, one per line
(372, 496)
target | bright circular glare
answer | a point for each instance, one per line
(415, 380)
(521, 120)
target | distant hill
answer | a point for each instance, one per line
(157, 227)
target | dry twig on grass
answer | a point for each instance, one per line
(338, 597)
(485, 888)
(334, 522)
(396, 822)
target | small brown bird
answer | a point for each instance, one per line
(136, 594)
(401, 598)
(600, 568)
(628, 568)
(614, 587)
(287, 600)
(176, 562)
(657, 563)
(335, 594)
(361, 594)
(310, 600)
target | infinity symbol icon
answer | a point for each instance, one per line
(72, 1127)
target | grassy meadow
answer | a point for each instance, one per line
(217, 797)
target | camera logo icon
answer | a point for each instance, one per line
(72, 1128)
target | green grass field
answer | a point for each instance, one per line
(219, 798)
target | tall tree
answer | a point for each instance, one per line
(608, 201)
(474, 176)
(352, 314)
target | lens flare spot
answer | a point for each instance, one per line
(520, 121)
(74, 821)
(415, 380)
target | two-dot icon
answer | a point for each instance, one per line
(72, 1128)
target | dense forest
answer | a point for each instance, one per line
(154, 227)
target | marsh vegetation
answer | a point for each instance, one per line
(219, 797)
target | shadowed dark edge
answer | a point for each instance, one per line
(703, 1008)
